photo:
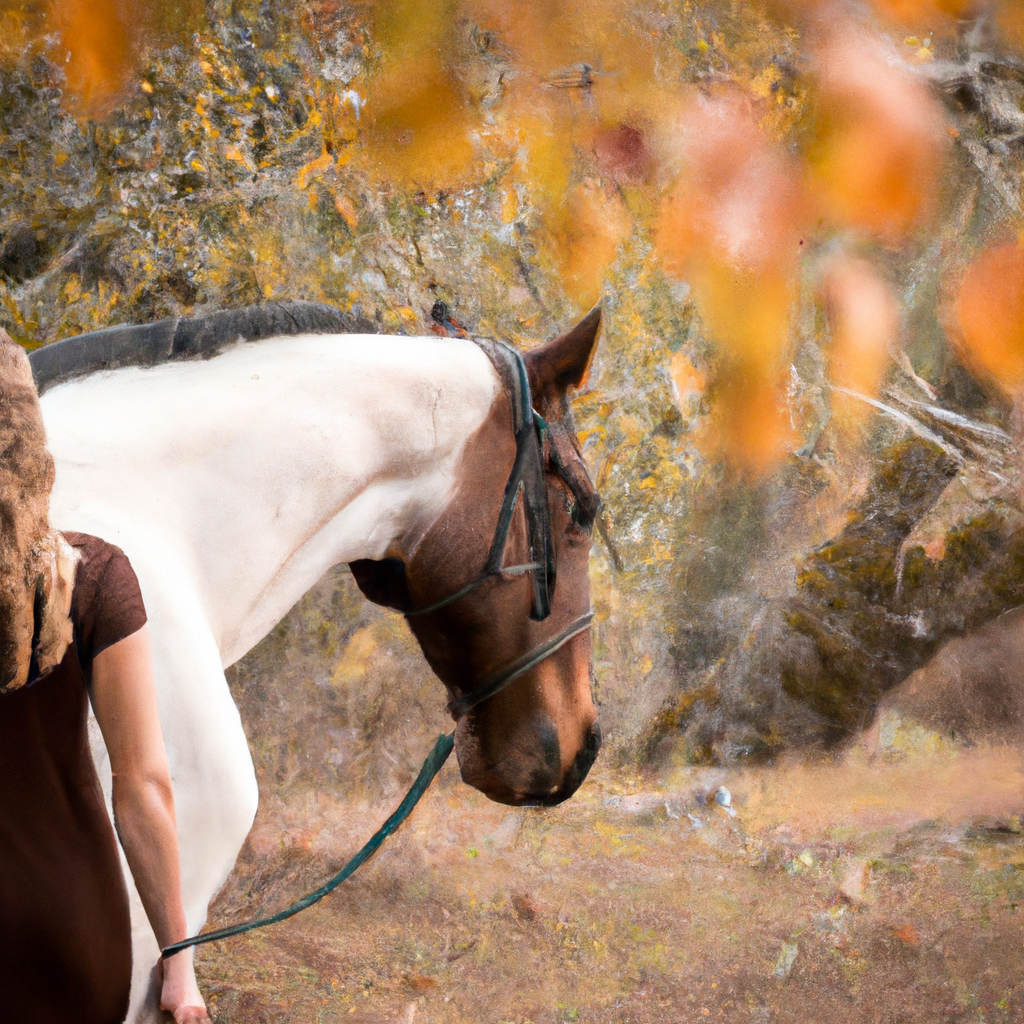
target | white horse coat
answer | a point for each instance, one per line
(233, 484)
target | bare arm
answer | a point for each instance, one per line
(124, 700)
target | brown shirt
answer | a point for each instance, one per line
(65, 937)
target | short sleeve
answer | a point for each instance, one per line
(107, 603)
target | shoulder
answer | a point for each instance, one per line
(107, 601)
(101, 563)
(94, 551)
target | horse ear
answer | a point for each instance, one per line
(563, 363)
(383, 582)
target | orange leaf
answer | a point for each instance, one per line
(585, 233)
(989, 310)
(865, 322)
(731, 228)
(881, 138)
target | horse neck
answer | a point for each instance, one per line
(269, 464)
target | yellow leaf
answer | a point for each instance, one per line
(73, 289)
(762, 84)
(355, 659)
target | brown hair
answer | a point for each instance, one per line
(26, 542)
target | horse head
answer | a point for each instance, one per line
(497, 590)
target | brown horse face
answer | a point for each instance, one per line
(535, 740)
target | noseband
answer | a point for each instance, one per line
(526, 479)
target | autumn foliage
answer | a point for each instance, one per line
(751, 191)
(989, 311)
(731, 227)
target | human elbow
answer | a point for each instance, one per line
(142, 788)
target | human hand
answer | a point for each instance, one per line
(179, 992)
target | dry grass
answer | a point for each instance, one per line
(865, 889)
(888, 880)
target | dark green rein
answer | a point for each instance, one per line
(435, 759)
(526, 480)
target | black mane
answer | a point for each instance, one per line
(200, 337)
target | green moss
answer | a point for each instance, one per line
(873, 617)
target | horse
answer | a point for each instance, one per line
(236, 457)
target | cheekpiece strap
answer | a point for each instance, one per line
(526, 480)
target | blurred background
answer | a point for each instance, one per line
(803, 223)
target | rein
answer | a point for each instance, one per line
(526, 479)
(435, 759)
(431, 766)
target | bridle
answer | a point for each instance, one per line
(527, 479)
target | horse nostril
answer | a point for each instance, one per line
(580, 766)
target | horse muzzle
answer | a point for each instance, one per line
(527, 774)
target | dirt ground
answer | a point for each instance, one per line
(869, 887)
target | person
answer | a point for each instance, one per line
(73, 631)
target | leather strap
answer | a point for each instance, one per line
(530, 660)
(527, 480)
